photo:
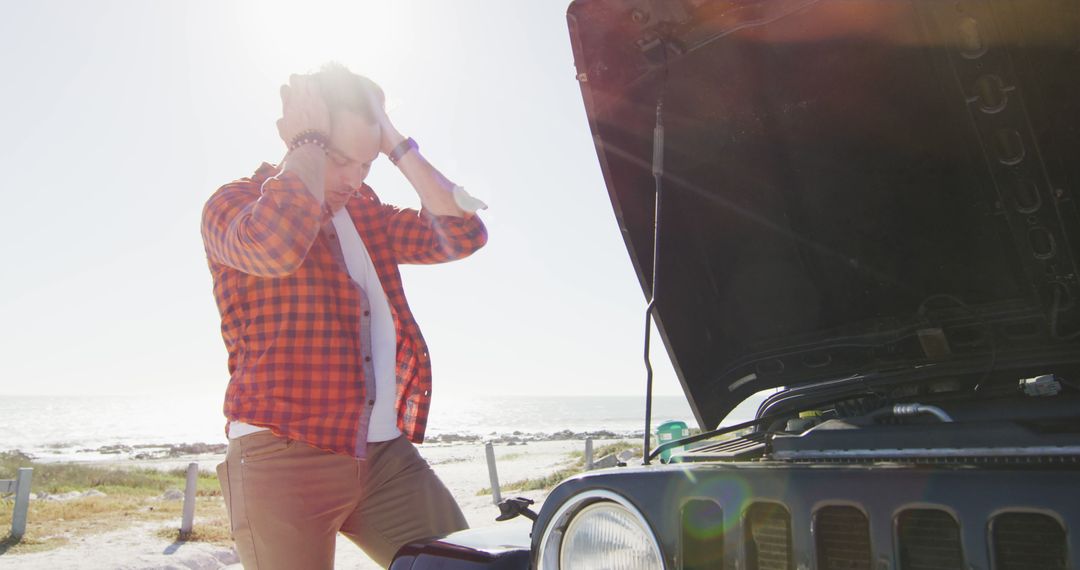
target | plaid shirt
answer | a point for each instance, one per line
(290, 312)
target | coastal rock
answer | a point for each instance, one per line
(114, 449)
(173, 495)
(146, 451)
(17, 456)
(454, 438)
(69, 496)
(519, 437)
(197, 449)
(608, 461)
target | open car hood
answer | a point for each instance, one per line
(849, 187)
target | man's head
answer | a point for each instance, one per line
(354, 103)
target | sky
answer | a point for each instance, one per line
(122, 117)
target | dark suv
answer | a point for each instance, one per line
(870, 208)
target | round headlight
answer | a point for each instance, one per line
(599, 529)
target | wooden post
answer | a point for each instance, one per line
(189, 499)
(496, 494)
(22, 502)
(588, 454)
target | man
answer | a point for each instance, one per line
(330, 376)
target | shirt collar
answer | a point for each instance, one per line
(267, 170)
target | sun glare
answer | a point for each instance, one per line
(291, 37)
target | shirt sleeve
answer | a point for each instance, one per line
(421, 237)
(266, 233)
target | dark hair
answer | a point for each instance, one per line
(344, 90)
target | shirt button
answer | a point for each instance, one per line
(367, 313)
(371, 402)
(367, 359)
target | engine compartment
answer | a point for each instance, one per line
(1018, 418)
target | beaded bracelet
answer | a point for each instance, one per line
(310, 136)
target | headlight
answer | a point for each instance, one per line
(599, 529)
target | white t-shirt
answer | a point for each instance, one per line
(383, 423)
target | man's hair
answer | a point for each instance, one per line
(344, 90)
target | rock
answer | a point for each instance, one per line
(17, 456)
(173, 495)
(453, 438)
(60, 496)
(114, 449)
(564, 434)
(93, 493)
(196, 449)
(607, 461)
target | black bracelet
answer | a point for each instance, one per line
(402, 149)
(310, 136)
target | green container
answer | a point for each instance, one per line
(670, 431)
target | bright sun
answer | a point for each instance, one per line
(289, 37)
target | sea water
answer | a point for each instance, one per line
(87, 427)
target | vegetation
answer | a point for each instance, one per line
(56, 478)
(128, 495)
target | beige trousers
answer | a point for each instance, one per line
(288, 500)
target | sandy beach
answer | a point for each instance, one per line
(462, 466)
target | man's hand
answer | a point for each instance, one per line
(302, 109)
(390, 135)
(435, 191)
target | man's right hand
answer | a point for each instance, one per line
(302, 109)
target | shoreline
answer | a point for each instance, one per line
(152, 452)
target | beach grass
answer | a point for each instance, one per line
(128, 496)
(57, 478)
(214, 530)
(577, 466)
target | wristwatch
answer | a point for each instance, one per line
(402, 149)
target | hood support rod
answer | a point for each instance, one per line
(658, 175)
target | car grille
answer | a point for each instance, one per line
(1028, 541)
(929, 540)
(843, 539)
(755, 517)
(769, 537)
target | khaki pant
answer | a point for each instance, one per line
(288, 500)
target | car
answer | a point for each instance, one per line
(866, 211)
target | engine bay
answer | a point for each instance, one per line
(1033, 418)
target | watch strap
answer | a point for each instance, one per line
(402, 149)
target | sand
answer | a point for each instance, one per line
(462, 467)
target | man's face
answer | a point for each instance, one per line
(354, 145)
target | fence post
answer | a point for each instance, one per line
(22, 502)
(496, 494)
(189, 499)
(588, 454)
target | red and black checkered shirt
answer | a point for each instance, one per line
(290, 311)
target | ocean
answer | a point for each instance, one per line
(52, 428)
